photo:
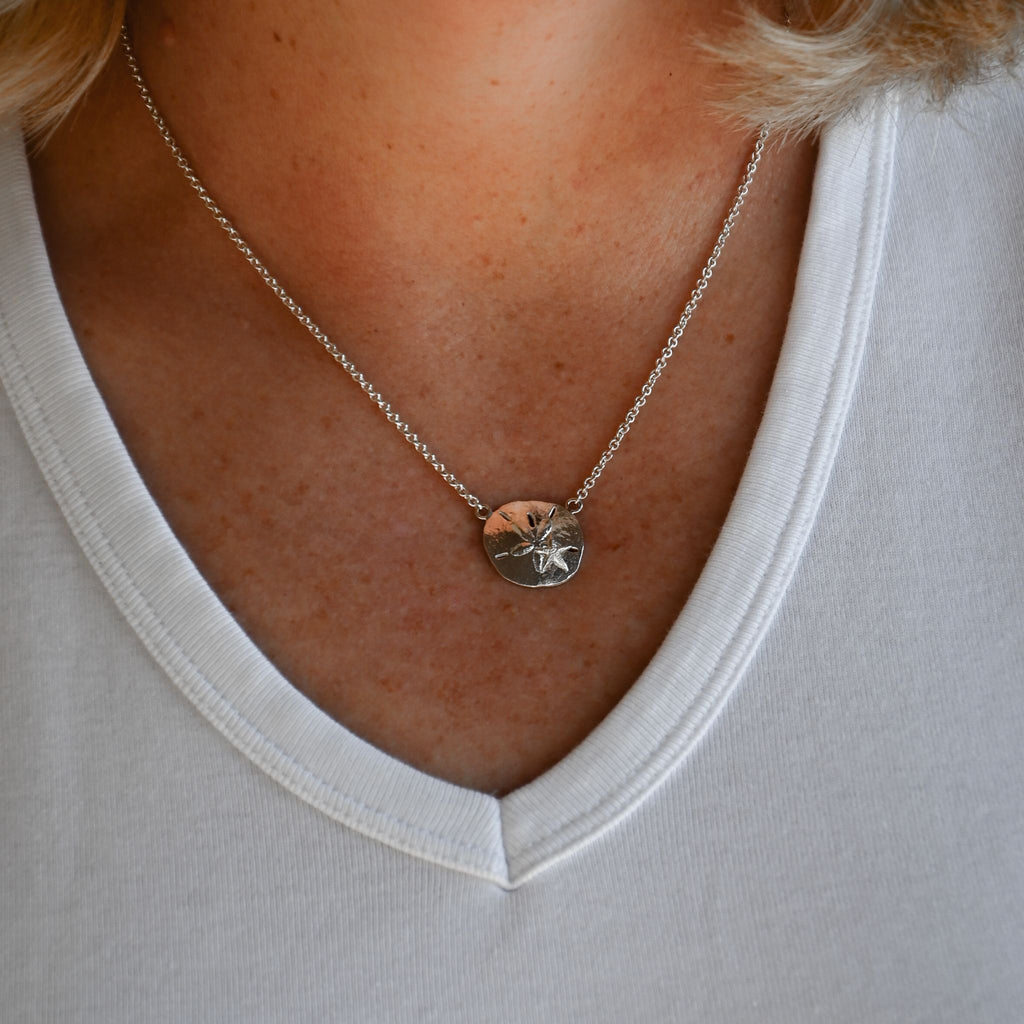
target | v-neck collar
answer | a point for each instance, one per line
(648, 734)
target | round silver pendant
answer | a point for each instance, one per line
(534, 543)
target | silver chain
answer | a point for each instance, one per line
(481, 510)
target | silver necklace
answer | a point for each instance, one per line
(530, 543)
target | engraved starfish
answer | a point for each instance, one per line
(547, 552)
(552, 554)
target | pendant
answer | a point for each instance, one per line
(534, 543)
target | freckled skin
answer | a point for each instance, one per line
(506, 280)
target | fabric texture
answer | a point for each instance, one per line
(809, 807)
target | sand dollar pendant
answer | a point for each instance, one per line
(534, 543)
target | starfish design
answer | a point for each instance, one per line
(552, 554)
(547, 552)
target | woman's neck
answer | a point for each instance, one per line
(447, 69)
(407, 148)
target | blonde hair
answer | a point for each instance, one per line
(803, 77)
(797, 76)
(49, 54)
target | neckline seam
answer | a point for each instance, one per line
(850, 342)
(717, 689)
(154, 632)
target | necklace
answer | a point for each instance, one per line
(530, 543)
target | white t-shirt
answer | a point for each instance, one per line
(810, 806)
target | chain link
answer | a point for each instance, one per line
(480, 509)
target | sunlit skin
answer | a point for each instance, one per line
(445, 186)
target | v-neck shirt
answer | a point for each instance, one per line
(856, 627)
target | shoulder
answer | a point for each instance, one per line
(958, 181)
(978, 129)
